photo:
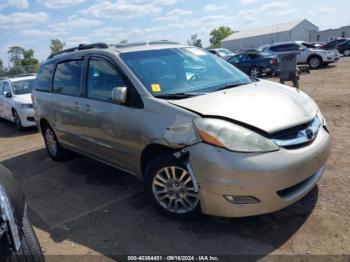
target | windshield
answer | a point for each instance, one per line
(22, 87)
(183, 70)
(224, 51)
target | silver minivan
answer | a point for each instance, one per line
(202, 135)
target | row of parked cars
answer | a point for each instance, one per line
(264, 60)
(201, 134)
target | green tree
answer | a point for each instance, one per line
(1, 68)
(56, 46)
(29, 62)
(218, 34)
(16, 54)
(195, 41)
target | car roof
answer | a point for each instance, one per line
(20, 78)
(118, 48)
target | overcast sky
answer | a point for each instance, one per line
(32, 23)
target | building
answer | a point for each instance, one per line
(251, 39)
(327, 35)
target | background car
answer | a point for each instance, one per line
(15, 101)
(344, 48)
(254, 63)
(332, 44)
(18, 241)
(306, 53)
(222, 52)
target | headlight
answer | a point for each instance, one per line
(233, 137)
(321, 117)
(26, 106)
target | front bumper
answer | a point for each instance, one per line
(276, 179)
(27, 117)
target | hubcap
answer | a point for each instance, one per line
(51, 141)
(254, 72)
(174, 189)
(314, 62)
(347, 52)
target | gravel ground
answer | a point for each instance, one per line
(82, 207)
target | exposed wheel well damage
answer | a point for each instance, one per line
(43, 123)
(152, 151)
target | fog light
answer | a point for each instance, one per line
(242, 199)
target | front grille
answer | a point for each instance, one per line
(296, 136)
(30, 119)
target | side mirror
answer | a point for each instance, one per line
(7, 94)
(302, 48)
(119, 95)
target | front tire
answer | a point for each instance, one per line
(17, 120)
(30, 249)
(171, 188)
(347, 52)
(314, 62)
(53, 147)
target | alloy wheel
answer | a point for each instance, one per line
(255, 72)
(347, 52)
(173, 188)
(51, 142)
(315, 62)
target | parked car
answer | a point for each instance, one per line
(307, 53)
(332, 44)
(18, 241)
(217, 141)
(221, 52)
(254, 63)
(15, 101)
(344, 48)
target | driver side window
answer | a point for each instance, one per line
(102, 78)
(6, 88)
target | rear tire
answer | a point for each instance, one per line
(53, 147)
(255, 72)
(347, 52)
(170, 188)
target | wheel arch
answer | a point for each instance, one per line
(314, 55)
(150, 152)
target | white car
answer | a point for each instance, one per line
(16, 102)
(307, 53)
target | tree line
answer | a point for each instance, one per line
(23, 60)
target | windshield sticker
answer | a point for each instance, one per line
(155, 88)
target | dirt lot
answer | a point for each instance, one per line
(82, 207)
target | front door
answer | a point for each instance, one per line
(107, 127)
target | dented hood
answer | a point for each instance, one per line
(265, 105)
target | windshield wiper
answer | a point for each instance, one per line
(178, 95)
(228, 86)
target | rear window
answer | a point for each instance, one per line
(67, 78)
(43, 79)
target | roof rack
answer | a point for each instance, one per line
(26, 74)
(80, 47)
(160, 42)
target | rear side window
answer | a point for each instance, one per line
(43, 79)
(278, 48)
(67, 78)
(102, 78)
